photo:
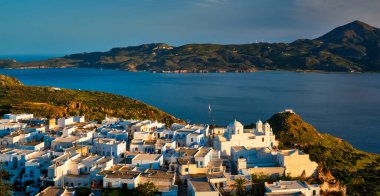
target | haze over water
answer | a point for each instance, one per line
(344, 105)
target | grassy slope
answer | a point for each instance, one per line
(46, 102)
(359, 170)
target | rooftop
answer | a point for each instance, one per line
(203, 151)
(238, 148)
(188, 151)
(55, 191)
(152, 157)
(123, 175)
(284, 185)
(202, 186)
(65, 139)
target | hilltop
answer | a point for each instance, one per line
(353, 47)
(54, 102)
(359, 170)
(9, 81)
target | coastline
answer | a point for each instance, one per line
(196, 72)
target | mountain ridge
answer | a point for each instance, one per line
(353, 47)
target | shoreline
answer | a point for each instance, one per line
(198, 72)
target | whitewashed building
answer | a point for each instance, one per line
(236, 135)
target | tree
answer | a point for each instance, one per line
(147, 189)
(239, 186)
(5, 188)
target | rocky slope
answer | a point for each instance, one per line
(354, 47)
(9, 81)
(53, 102)
(359, 170)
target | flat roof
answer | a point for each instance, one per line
(238, 148)
(203, 151)
(147, 157)
(65, 139)
(188, 151)
(122, 175)
(284, 185)
(202, 186)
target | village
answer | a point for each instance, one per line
(57, 156)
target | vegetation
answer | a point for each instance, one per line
(239, 186)
(82, 191)
(5, 188)
(51, 103)
(352, 47)
(359, 170)
(147, 188)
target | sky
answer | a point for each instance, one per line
(73, 26)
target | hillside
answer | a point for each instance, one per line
(51, 102)
(9, 81)
(354, 47)
(358, 169)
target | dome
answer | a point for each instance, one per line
(235, 123)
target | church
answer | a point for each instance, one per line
(236, 135)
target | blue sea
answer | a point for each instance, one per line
(28, 58)
(345, 105)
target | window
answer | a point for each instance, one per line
(186, 169)
(192, 139)
(262, 139)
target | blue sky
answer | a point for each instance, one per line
(71, 26)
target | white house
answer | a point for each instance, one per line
(109, 147)
(236, 135)
(17, 117)
(195, 139)
(291, 188)
(120, 177)
(148, 161)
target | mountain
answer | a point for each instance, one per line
(354, 47)
(359, 170)
(54, 102)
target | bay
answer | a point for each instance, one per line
(345, 105)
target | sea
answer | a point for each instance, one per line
(346, 105)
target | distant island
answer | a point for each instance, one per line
(354, 47)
